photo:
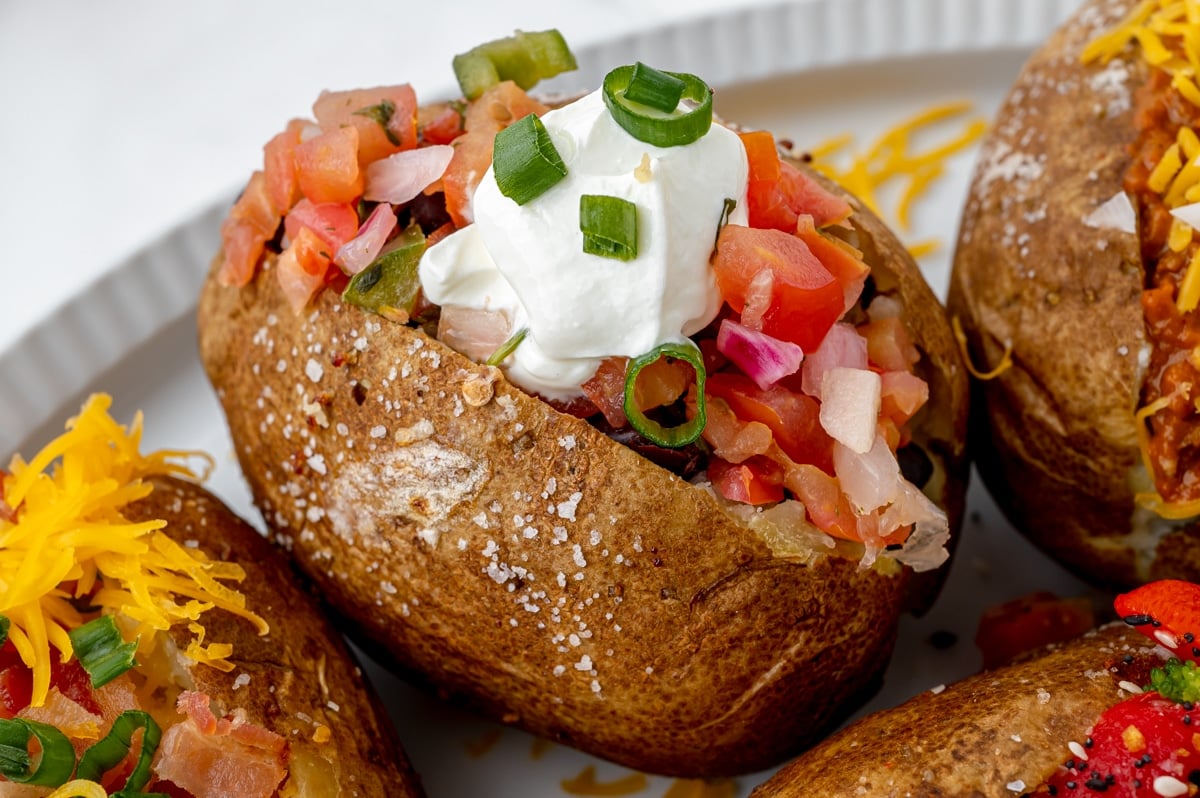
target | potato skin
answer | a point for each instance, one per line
(524, 564)
(1056, 438)
(980, 735)
(285, 692)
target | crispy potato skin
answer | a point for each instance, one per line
(1056, 436)
(524, 564)
(978, 736)
(285, 693)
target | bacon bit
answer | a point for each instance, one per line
(1133, 738)
(321, 734)
(210, 756)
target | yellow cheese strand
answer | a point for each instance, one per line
(79, 788)
(69, 526)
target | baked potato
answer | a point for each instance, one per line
(1073, 276)
(555, 558)
(1074, 721)
(236, 682)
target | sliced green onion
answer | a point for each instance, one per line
(4, 624)
(654, 88)
(524, 58)
(525, 161)
(507, 348)
(55, 764)
(726, 211)
(651, 125)
(110, 750)
(390, 285)
(382, 113)
(101, 650)
(609, 226)
(648, 428)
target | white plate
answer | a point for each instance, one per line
(807, 71)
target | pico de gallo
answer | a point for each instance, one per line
(1145, 746)
(92, 700)
(788, 379)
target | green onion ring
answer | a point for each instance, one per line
(107, 752)
(507, 348)
(651, 430)
(57, 758)
(101, 650)
(609, 226)
(646, 124)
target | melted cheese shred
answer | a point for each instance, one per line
(892, 157)
(64, 537)
(1167, 34)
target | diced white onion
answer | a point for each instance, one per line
(1115, 214)
(850, 406)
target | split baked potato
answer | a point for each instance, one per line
(197, 635)
(499, 548)
(1072, 280)
(1089, 717)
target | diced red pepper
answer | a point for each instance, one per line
(805, 298)
(1167, 611)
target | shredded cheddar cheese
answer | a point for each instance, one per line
(1004, 365)
(891, 158)
(69, 540)
(79, 788)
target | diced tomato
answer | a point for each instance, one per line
(889, 344)
(385, 117)
(443, 126)
(843, 261)
(279, 166)
(1027, 623)
(496, 109)
(732, 438)
(252, 222)
(794, 419)
(754, 481)
(327, 166)
(903, 394)
(334, 223)
(302, 267)
(16, 689)
(438, 234)
(826, 505)
(804, 195)
(805, 298)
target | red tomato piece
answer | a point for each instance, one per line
(1167, 611)
(442, 126)
(302, 267)
(252, 222)
(327, 166)
(494, 110)
(765, 202)
(793, 418)
(385, 117)
(279, 166)
(754, 481)
(827, 507)
(889, 344)
(1143, 747)
(334, 223)
(16, 689)
(1024, 624)
(805, 298)
(843, 261)
(804, 195)
(903, 394)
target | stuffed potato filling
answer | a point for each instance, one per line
(1163, 183)
(629, 261)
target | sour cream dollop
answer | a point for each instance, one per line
(527, 261)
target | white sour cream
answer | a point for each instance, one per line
(527, 261)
